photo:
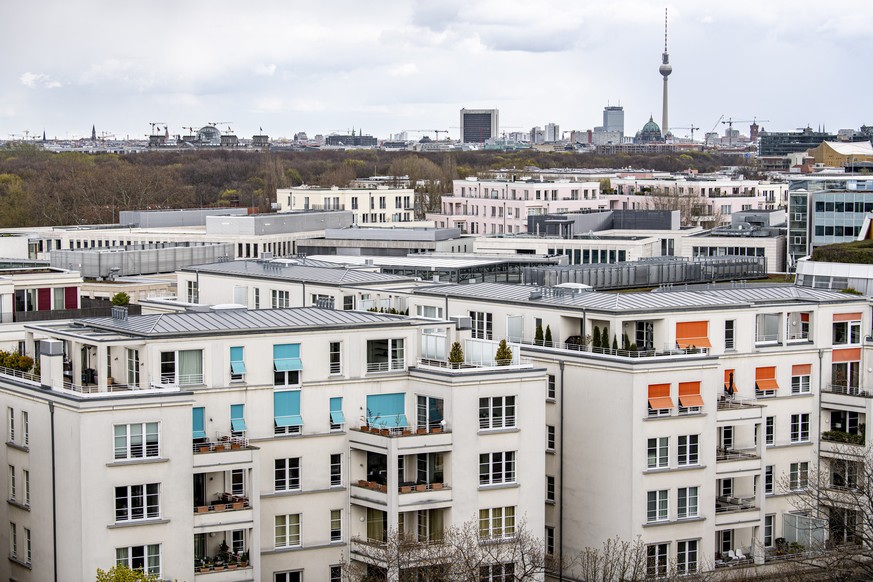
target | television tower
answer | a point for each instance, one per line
(665, 71)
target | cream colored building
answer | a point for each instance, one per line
(368, 205)
(152, 440)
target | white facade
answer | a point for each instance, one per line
(498, 207)
(368, 205)
(262, 413)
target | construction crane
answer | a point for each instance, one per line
(692, 129)
(714, 125)
(730, 123)
(436, 132)
(217, 123)
(157, 123)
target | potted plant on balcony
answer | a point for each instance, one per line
(203, 447)
(436, 486)
(421, 487)
(205, 564)
(405, 488)
(239, 504)
(456, 356)
(548, 337)
(538, 336)
(503, 356)
(244, 559)
(202, 509)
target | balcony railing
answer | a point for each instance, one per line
(799, 336)
(224, 502)
(19, 374)
(387, 366)
(735, 403)
(223, 442)
(767, 338)
(838, 436)
(402, 431)
(722, 454)
(726, 504)
(445, 365)
(668, 350)
(847, 390)
(180, 380)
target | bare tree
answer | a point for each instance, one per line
(693, 210)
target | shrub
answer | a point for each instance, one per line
(595, 340)
(504, 354)
(16, 361)
(538, 336)
(614, 343)
(456, 354)
(120, 299)
(548, 336)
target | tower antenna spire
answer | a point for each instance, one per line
(665, 30)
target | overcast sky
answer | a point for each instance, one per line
(390, 65)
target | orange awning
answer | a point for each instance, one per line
(660, 403)
(801, 369)
(659, 396)
(767, 384)
(804, 317)
(765, 378)
(693, 333)
(727, 379)
(689, 394)
(846, 355)
(847, 316)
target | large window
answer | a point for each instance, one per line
(385, 355)
(658, 453)
(497, 572)
(799, 428)
(287, 474)
(133, 367)
(286, 412)
(483, 325)
(497, 412)
(286, 365)
(688, 450)
(280, 299)
(336, 469)
(847, 332)
(657, 504)
(656, 559)
(497, 522)
(134, 502)
(335, 355)
(137, 441)
(800, 374)
(387, 410)
(798, 476)
(287, 531)
(336, 525)
(686, 557)
(145, 558)
(496, 468)
(687, 502)
(429, 412)
(183, 367)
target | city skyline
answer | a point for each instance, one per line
(412, 65)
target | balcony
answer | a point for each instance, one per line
(86, 389)
(473, 367)
(404, 440)
(846, 390)
(225, 502)
(396, 365)
(737, 461)
(574, 344)
(411, 495)
(224, 573)
(224, 450)
(226, 508)
(178, 381)
(732, 410)
(731, 510)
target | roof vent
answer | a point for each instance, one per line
(119, 313)
(538, 294)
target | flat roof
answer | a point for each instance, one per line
(317, 271)
(225, 321)
(661, 300)
(446, 261)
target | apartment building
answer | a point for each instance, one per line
(700, 424)
(502, 207)
(367, 205)
(259, 445)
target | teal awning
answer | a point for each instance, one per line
(336, 411)
(237, 417)
(286, 408)
(237, 365)
(294, 420)
(197, 422)
(387, 410)
(286, 358)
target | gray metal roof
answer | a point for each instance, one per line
(236, 321)
(664, 300)
(292, 270)
(434, 261)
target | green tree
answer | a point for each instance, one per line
(595, 338)
(504, 354)
(124, 574)
(456, 354)
(538, 335)
(548, 337)
(614, 343)
(120, 299)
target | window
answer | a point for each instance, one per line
(337, 419)
(686, 557)
(847, 332)
(26, 474)
(495, 468)
(238, 541)
(725, 540)
(658, 452)
(769, 430)
(768, 479)
(550, 437)
(238, 482)
(280, 299)
(656, 505)
(335, 357)
(336, 574)
(28, 555)
(25, 428)
(387, 410)
(497, 412)
(800, 378)
(336, 469)
(336, 525)
(193, 293)
(137, 502)
(799, 428)
(429, 412)
(133, 367)
(145, 558)
(550, 541)
(497, 572)
(287, 474)
(13, 540)
(287, 531)
(550, 488)
(497, 522)
(769, 525)
(385, 355)
(656, 559)
(10, 426)
(550, 387)
(12, 484)
(237, 419)
(429, 311)
(483, 325)
(798, 476)
(137, 441)
(182, 367)
(257, 298)
(237, 363)
(688, 450)
(286, 412)
(286, 365)
(687, 500)
(348, 302)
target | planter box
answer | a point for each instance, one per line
(362, 483)
(204, 448)
(421, 487)
(372, 484)
(436, 430)
(405, 489)
(235, 446)
(421, 431)
(239, 504)
(437, 486)
(202, 508)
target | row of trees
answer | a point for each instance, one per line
(42, 188)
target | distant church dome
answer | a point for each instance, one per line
(650, 133)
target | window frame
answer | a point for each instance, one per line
(800, 427)
(496, 523)
(146, 549)
(290, 540)
(685, 509)
(335, 358)
(657, 559)
(145, 496)
(685, 563)
(497, 468)
(336, 525)
(336, 469)
(798, 476)
(657, 506)
(147, 448)
(488, 420)
(658, 453)
(691, 455)
(291, 478)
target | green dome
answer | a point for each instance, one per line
(651, 132)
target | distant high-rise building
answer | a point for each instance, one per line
(553, 132)
(93, 133)
(478, 125)
(613, 118)
(665, 69)
(537, 135)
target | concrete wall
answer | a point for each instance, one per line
(147, 260)
(183, 217)
(285, 222)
